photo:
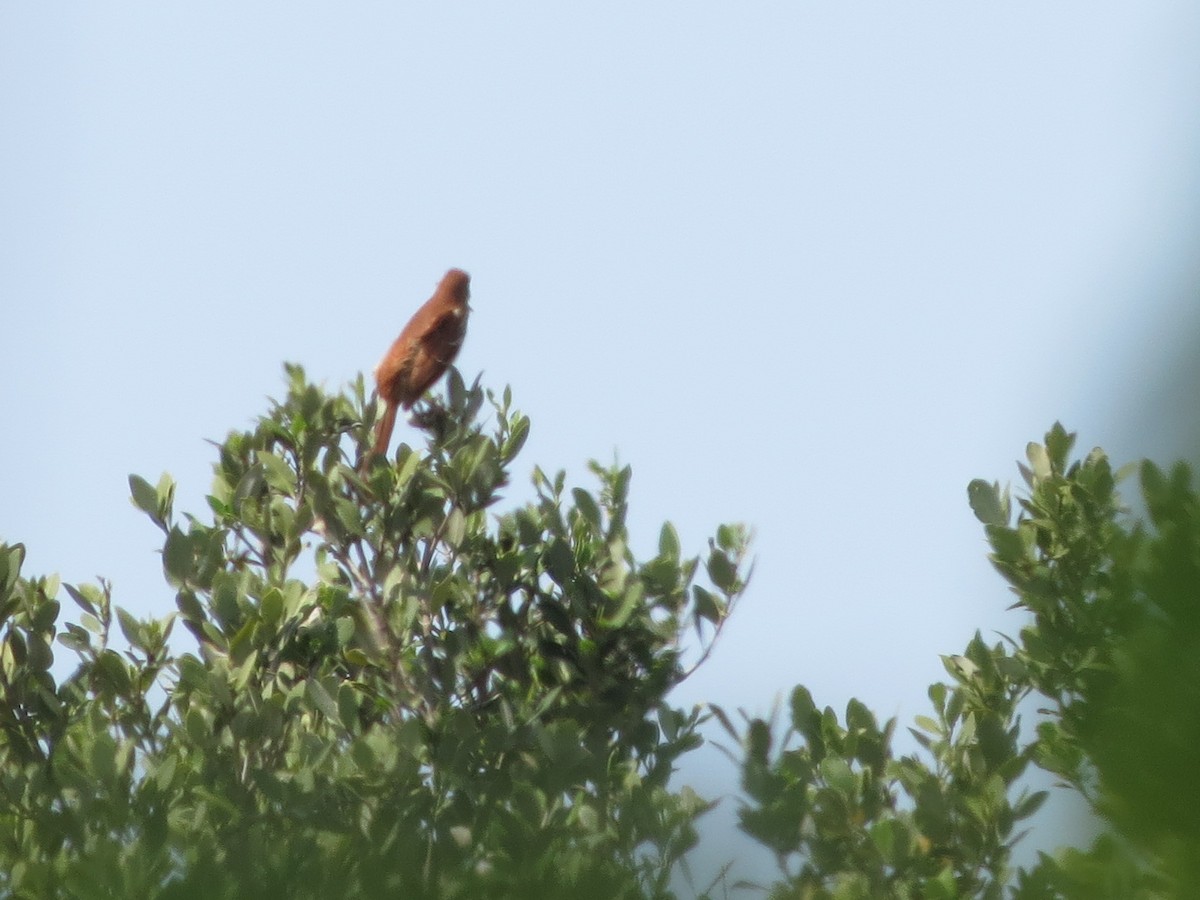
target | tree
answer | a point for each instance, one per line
(394, 692)
(1112, 657)
(401, 688)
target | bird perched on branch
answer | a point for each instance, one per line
(423, 352)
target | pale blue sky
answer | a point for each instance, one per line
(809, 266)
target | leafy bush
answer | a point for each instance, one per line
(396, 690)
(394, 693)
(1112, 656)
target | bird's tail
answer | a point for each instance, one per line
(383, 429)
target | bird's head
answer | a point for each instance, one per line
(457, 284)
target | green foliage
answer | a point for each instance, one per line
(1111, 654)
(395, 691)
(847, 819)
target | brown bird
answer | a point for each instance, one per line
(423, 352)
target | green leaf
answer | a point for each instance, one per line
(804, 710)
(456, 529)
(927, 724)
(966, 731)
(164, 773)
(144, 497)
(838, 775)
(80, 597)
(45, 610)
(40, 656)
(708, 606)
(347, 703)
(758, 741)
(586, 504)
(630, 601)
(322, 700)
(722, 572)
(271, 606)
(518, 434)
(198, 728)
(75, 638)
(406, 466)
(131, 628)
(165, 492)
(942, 887)
(1009, 544)
(960, 668)
(989, 506)
(345, 628)
(12, 556)
(177, 557)
(668, 543)
(860, 718)
(1058, 445)
(922, 739)
(1039, 459)
(1027, 806)
(937, 693)
(559, 562)
(884, 837)
(729, 537)
(189, 607)
(277, 473)
(103, 759)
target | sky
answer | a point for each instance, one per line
(808, 266)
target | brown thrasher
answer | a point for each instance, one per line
(423, 352)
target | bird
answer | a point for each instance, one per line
(420, 356)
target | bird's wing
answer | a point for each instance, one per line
(445, 334)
